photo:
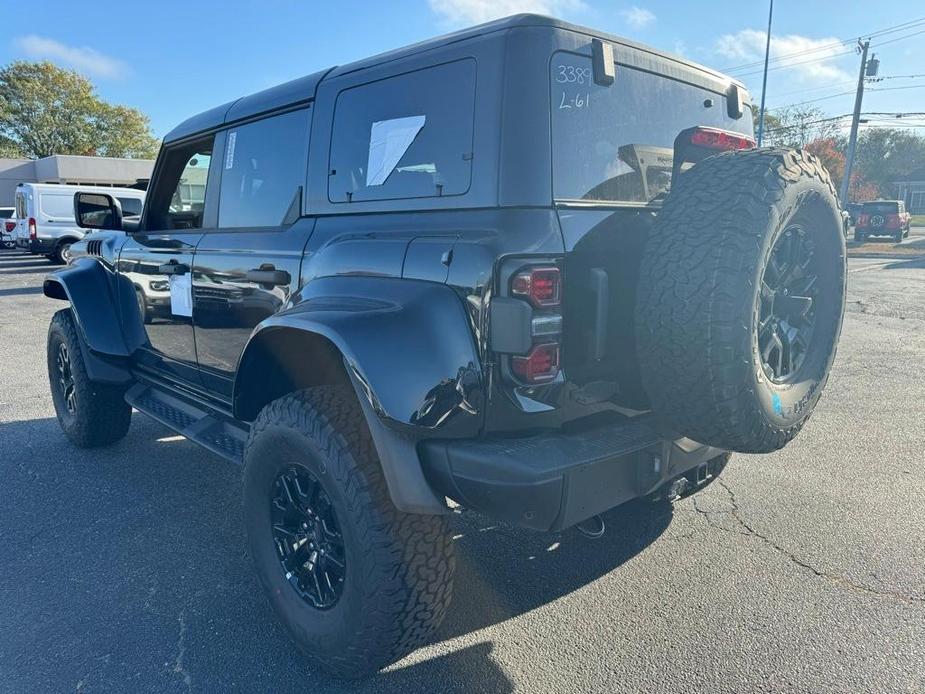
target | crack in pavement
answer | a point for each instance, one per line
(837, 579)
(178, 666)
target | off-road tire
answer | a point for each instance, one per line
(101, 415)
(699, 298)
(399, 567)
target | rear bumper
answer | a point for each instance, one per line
(38, 246)
(554, 480)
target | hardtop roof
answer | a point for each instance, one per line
(303, 89)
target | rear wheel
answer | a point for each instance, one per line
(357, 583)
(90, 414)
(62, 253)
(741, 298)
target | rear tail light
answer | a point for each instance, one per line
(542, 286)
(711, 138)
(539, 365)
(863, 219)
(10, 225)
(32, 230)
(892, 221)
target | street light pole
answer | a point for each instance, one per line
(764, 79)
(855, 118)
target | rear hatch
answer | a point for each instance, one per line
(880, 215)
(613, 157)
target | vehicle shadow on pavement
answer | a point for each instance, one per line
(503, 571)
(128, 563)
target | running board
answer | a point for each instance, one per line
(199, 424)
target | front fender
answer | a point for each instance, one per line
(407, 343)
(91, 290)
(88, 286)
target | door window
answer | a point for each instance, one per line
(262, 171)
(178, 196)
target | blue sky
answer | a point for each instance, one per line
(172, 59)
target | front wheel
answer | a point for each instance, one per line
(90, 414)
(357, 583)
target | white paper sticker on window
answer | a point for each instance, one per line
(229, 149)
(181, 294)
(388, 142)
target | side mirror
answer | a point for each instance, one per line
(97, 211)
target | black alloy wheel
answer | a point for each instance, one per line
(308, 540)
(66, 385)
(788, 297)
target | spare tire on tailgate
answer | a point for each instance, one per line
(740, 298)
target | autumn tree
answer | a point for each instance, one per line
(47, 110)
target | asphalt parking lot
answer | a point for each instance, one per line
(123, 569)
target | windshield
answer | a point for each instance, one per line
(615, 143)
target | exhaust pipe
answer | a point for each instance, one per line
(593, 527)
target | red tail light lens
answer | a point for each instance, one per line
(863, 219)
(541, 285)
(720, 139)
(10, 226)
(892, 221)
(540, 365)
(32, 229)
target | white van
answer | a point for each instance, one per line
(45, 216)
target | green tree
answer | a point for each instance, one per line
(47, 110)
(884, 154)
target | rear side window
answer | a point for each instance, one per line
(263, 167)
(57, 206)
(6, 213)
(21, 212)
(408, 136)
(131, 207)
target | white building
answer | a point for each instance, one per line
(66, 168)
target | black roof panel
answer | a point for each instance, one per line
(304, 88)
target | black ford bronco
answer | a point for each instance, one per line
(528, 269)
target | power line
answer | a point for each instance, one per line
(836, 44)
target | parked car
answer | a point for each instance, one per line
(7, 224)
(883, 218)
(506, 269)
(45, 216)
(854, 208)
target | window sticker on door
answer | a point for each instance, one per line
(388, 142)
(181, 295)
(229, 149)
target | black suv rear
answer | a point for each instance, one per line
(527, 268)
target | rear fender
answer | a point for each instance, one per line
(407, 342)
(410, 355)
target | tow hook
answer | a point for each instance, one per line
(593, 527)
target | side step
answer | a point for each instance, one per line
(195, 421)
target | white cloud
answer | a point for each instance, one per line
(637, 17)
(83, 58)
(461, 12)
(816, 66)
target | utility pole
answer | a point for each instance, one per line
(853, 137)
(764, 79)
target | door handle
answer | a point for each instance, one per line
(173, 268)
(268, 274)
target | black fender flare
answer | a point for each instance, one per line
(411, 356)
(94, 299)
